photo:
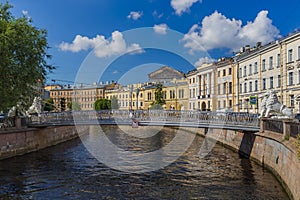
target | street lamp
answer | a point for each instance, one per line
(131, 91)
(137, 98)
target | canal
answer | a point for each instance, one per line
(69, 171)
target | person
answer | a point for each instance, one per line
(130, 115)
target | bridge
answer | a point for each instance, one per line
(224, 120)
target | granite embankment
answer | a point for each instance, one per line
(267, 148)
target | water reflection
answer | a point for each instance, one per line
(69, 171)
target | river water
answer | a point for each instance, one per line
(69, 171)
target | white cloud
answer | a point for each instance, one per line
(181, 6)
(103, 47)
(156, 14)
(217, 31)
(204, 60)
(25, 12)
(160, 29)
(135, 15)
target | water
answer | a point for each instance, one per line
(69, 171)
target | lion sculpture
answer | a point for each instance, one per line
(36, 107)
(271, 105)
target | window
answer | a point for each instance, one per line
(241, 104)
(255, 68)
(219, 104)
(291, 78)
(193, 80)
(278, 60)
(271, 62)
(229, 71)
(292, 101)
(290, 55)
(250, 69)
(271, 82)
(219, 89)
(240, 72)
(264, 83)
(230, 103)
(224, 72)
(194, 93)
(256, 85)
(250, 86)
(245, 87)
(279, 80)
(224, 88)
(224, 103)
(149, 95)
(219, 73)
(241, 88)
(164, 94)
(298, 52)
(245, 71)
(264, 65)
(298, 76)
(230, 88)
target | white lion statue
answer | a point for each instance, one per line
(17, 110)
(36, 107)
(270, 104)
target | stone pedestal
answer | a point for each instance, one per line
(18, 123)
(287, 123)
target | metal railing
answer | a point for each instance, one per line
(220, 118)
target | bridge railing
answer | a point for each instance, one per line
(220, 118)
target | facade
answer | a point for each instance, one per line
(224, 83)
(165, 74)
(130, 97)
(85, 96)
(273, 66)
(202, 87)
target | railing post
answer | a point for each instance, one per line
(262, 124)
(287, 128)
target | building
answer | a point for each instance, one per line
(85, 96)
(224, 83)
(202, 87)
(273, 66)
(165, 74)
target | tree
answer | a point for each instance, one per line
(114, 103)
(23, 58)
(49, 105)
(102, 104)
(159, 98)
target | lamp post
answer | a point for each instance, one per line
(131, 91)
(137, 98)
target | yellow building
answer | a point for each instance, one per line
(225, 81)
(273, 66)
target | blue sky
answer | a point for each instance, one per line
(195, 30)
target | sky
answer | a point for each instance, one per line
(124, 40)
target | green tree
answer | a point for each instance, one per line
(159, 98)
(23, 58)
(114, 103)
(49, 105)
(102, 104)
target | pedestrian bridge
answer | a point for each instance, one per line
(223, 120)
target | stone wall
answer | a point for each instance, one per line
(26, 140)
(267, 148)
